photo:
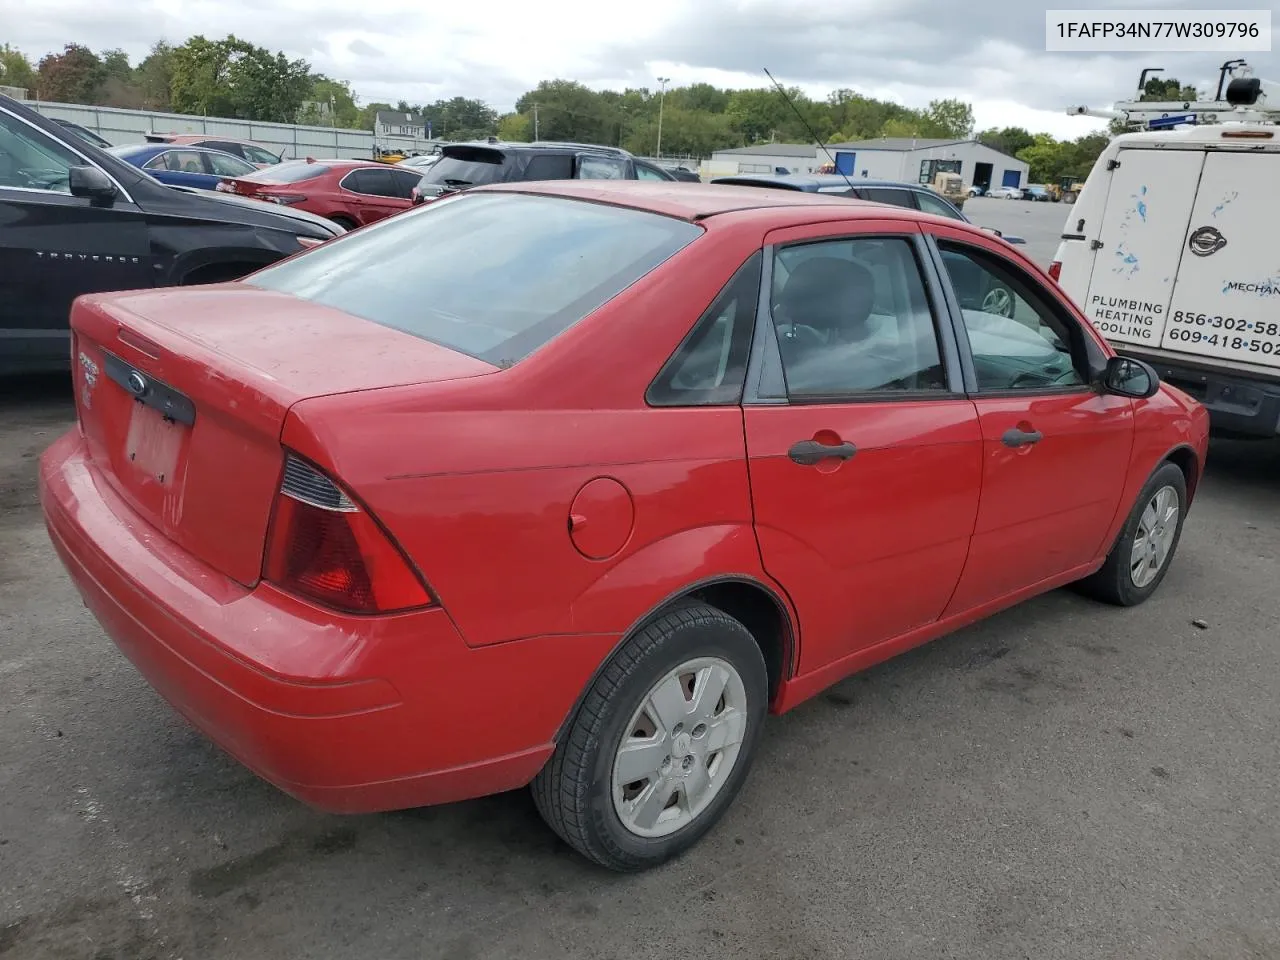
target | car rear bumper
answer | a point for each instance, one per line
(346, 714)
(1238, 406)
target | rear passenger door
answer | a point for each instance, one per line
(373, 194)
(865, 455)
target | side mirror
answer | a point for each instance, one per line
(90, 182)
(993, 230)
(1127, 377)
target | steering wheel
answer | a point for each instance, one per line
(998, 300)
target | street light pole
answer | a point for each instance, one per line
(661, 99)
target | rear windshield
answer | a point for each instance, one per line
(495, 276)
(468, 167)
(294, 171)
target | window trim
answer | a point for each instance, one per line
(765, 347)
(1095, 360)
(67, 146)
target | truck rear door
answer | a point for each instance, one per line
(1137, 247)
(1226, 300)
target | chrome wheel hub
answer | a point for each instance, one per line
(680, 747)
(1153, 541)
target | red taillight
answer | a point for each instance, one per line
(325, 547)
(1055, 270)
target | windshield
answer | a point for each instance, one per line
(466, 168)
(494, 276)
(293, 171)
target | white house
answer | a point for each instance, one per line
(918, 160)
(765, 158)
(393, 123)
(888, 158)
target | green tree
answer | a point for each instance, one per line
(567, 110)
(330, 103)
(515, 127)
(461, 118)
(16, 70)
(234, 78)
(153, 77)
(1046, 157)
(1007, 139)
(950, 118)
(74, 76)
(1167, 88)
(758, 115)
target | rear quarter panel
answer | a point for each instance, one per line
(477, 481)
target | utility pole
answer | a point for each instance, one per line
(661, 99)
(535, 121)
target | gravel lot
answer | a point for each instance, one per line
(1065, 780)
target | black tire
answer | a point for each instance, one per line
(346, 223)
(1114, 582)
(574, 791)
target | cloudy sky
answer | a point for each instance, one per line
(990, 53)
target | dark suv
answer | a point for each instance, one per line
(75, 219)
(463, 165)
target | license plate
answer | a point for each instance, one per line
(153, 444)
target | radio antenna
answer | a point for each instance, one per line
(807, 126)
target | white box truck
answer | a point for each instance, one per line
(1169, 251)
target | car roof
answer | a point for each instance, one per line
(700, 201)
(548, 146)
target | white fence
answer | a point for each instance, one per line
(291, 140)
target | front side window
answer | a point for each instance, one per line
(494, 276)
(940, 208)
(225, 165)
(550, 166)
(31, 159)
(1018, 341)
(889, 195)
(646, 172)
(601, 168)
(853, 318)
(257, 154)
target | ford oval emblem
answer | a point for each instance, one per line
(137, 383)
(1206, 241)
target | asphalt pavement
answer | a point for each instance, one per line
(1063, 781)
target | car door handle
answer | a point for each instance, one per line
(1015, 437)
(807, 453)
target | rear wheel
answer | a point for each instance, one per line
(346, 223)
(1146, 545)
(662, 742)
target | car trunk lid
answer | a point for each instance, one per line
(182, 396)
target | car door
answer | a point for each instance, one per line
(55, 246)
(403, 180)
(1056, 448)
(864, 453)
(372, 194)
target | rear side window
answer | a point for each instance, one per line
(710, 366)
(550, 166)
(493, 276)
(293, 172)
(897, 198)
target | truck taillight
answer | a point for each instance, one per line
(1055, 270)
(325, 547)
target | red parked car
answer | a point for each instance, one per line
(580, 497)
(351, 193)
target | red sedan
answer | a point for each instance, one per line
(582, 496)
(351, 193)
